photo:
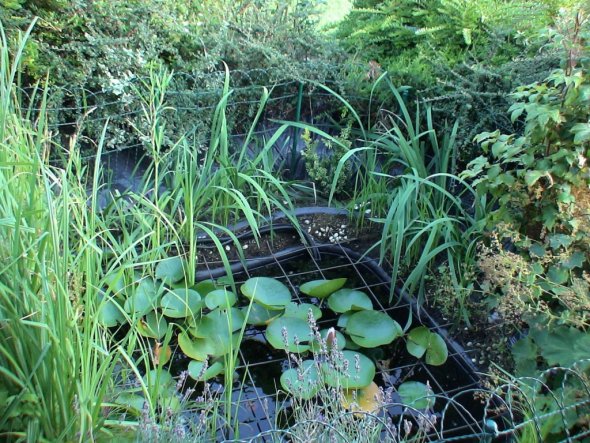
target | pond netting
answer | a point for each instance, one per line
(460, 407)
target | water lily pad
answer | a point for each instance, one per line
(220, 298)
(297, 334)
(197, 349)
(268, 292)
(343, 319)
(360, 373)
(370, 329)
(181, 303)
(144, 298)
(301, 311)
(197, 371)
(159, 380)
(218, 321)
(133, 403)
(340, 340)
(422, 341)
(259, 315)
(345, 300)
(416, 395)
(303, 382)
(205, 286)
(110, 313)
(367, 399)
(115, 281)
(170, 270)
(152, 326)
(322, 288)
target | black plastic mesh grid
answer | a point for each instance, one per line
(459, 411)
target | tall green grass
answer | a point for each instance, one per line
(55, 360)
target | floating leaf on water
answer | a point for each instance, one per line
(110, 313)
(370, 329)
(152, 325)
(343, 319)
(422, 341)
(345, 300)
(297, 334)
(368, 399)
(360, 373)
(303, 382)
(197, 349)
(144, 298)
(301, 311)
(259, 315)
(170, 270)
(181, 303)
(197, 372)
(268, 292)
(340, 340)
(322, 288)
(132, 403)
(416, 395)
(205, 286)
(220, 298)
(115, 281)
(160, 380)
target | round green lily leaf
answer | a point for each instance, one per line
(343, 319)
(345, 300)
(259, 315)
(217, 322)
(416, 395)
(181, 303)
(197, 349)
(197, 371)
(422, 341)
(220, 298)
(360, 373)
(370, 329)
(302, 311)
(297, 334)
(132, 403)
(115, 281)
(144, 298)
(160, 380)
(110, 313)
(322, 288)
(205, 286)
(268, 292)
(340, 340)
(152, 326)
(303, 382)
(170, 270)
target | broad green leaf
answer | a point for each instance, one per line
(290, 333)
(370, 329)
(322, 288)
(422, 341)
(268, 292)
(170, 270)
(259, 315)
(220, 298)
(359, 374)
(416, 395)
(345, 300)
(181, 303)
(153, 326)
(199, 372)
(303, 382)
(301, 310)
